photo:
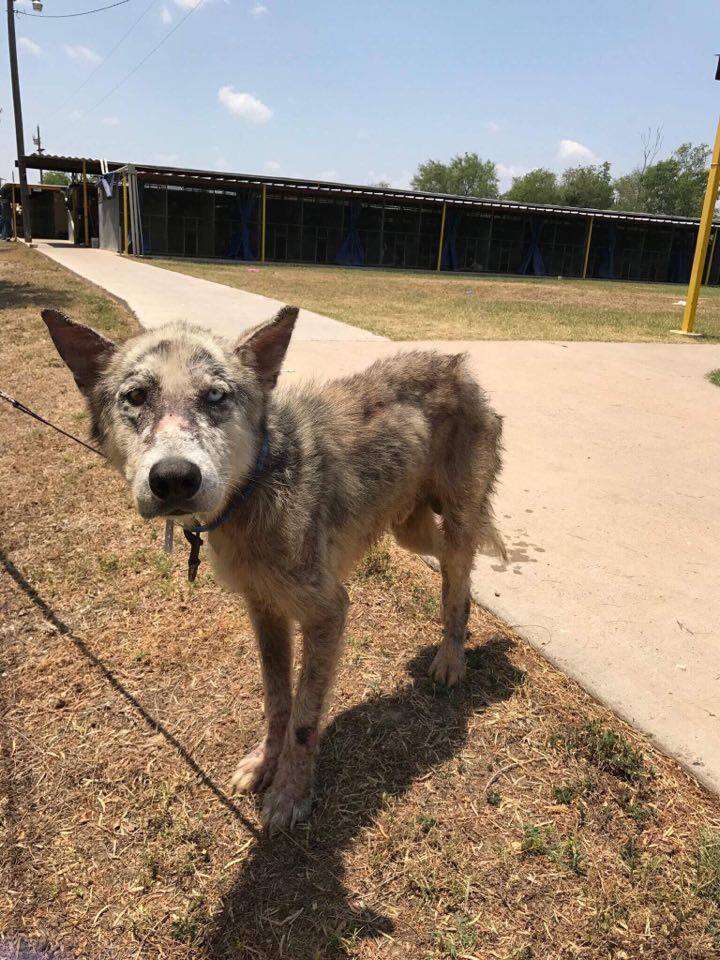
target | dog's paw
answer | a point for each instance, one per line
(255, 771)
(448, 667)
(287, 803)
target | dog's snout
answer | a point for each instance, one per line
(175, 478)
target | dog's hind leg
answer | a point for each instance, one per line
(289, 799)
(274, 639)
(456, 562)
(420, 532)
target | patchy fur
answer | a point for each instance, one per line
(409, 445)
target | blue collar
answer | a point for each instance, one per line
(192, 534)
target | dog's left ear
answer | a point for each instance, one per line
(264, 347)
(83, 349)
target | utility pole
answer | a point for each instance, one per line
(39, 148)
(15, 80)
(706, 222)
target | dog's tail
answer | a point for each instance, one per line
(492, 544)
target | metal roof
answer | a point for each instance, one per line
(6, 188)
(214, 179)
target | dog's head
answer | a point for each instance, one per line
(178, 411)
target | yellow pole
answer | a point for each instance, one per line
(711, 251)
(704, 229)
(14, 214)
(125, 215)
(442, 237)
(591, 221)
(86, 224)
(264, 211)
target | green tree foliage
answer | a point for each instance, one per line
(675, 185)
(537, 186)
(465, 175)
(587, 186)
(62, 179)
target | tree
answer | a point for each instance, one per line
(61, 179)
(675, 185)
(587, 186)
(465, 175)
(537, 186)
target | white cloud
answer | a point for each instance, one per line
(575, 152)
(165, 15)
(29, 46)
(188, 4)
(244, 105)
(506, 172)
(111, 121)
(79, 52)
(75, 115)
(258, 10)
(492, 127)
(272, 166)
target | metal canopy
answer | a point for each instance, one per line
(218, 180)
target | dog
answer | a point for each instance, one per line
(295, 485)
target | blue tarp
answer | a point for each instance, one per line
(533, 261)
(352, 252)
(240, 246)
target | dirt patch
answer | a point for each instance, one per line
(512, 818)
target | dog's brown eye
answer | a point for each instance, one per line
(137, 396)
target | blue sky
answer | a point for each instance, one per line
(362, 91)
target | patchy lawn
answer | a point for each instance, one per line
(424, 306)
(512, 818)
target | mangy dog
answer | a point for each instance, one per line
(409, 445)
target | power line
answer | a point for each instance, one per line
(64, 16)
(105, 59)
(147, 56)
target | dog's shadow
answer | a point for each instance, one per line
(290, 899)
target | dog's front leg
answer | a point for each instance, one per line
(289, 799)
(274, 638)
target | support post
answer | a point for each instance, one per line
(17, 110)
(442, 236)
(86, 208)
(125, 214)
(588, 239)
(14, 213)
(696, 275)
(264, 221)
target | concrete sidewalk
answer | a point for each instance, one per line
(157, 296)
(609, 499)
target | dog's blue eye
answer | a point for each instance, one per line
(215, 395)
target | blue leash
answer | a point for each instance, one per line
(192, 535)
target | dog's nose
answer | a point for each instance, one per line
(174, 478)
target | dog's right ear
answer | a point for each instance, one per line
(264, 347)
(83, 349)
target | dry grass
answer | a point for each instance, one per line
(513, 818)
(423, 306)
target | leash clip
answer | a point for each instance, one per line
(195, 541)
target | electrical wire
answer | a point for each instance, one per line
(64, 16)
(105, 59)
(144, 60)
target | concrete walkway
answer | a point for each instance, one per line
(609, 500)
(157, 296)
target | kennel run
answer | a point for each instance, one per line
(168, 211)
